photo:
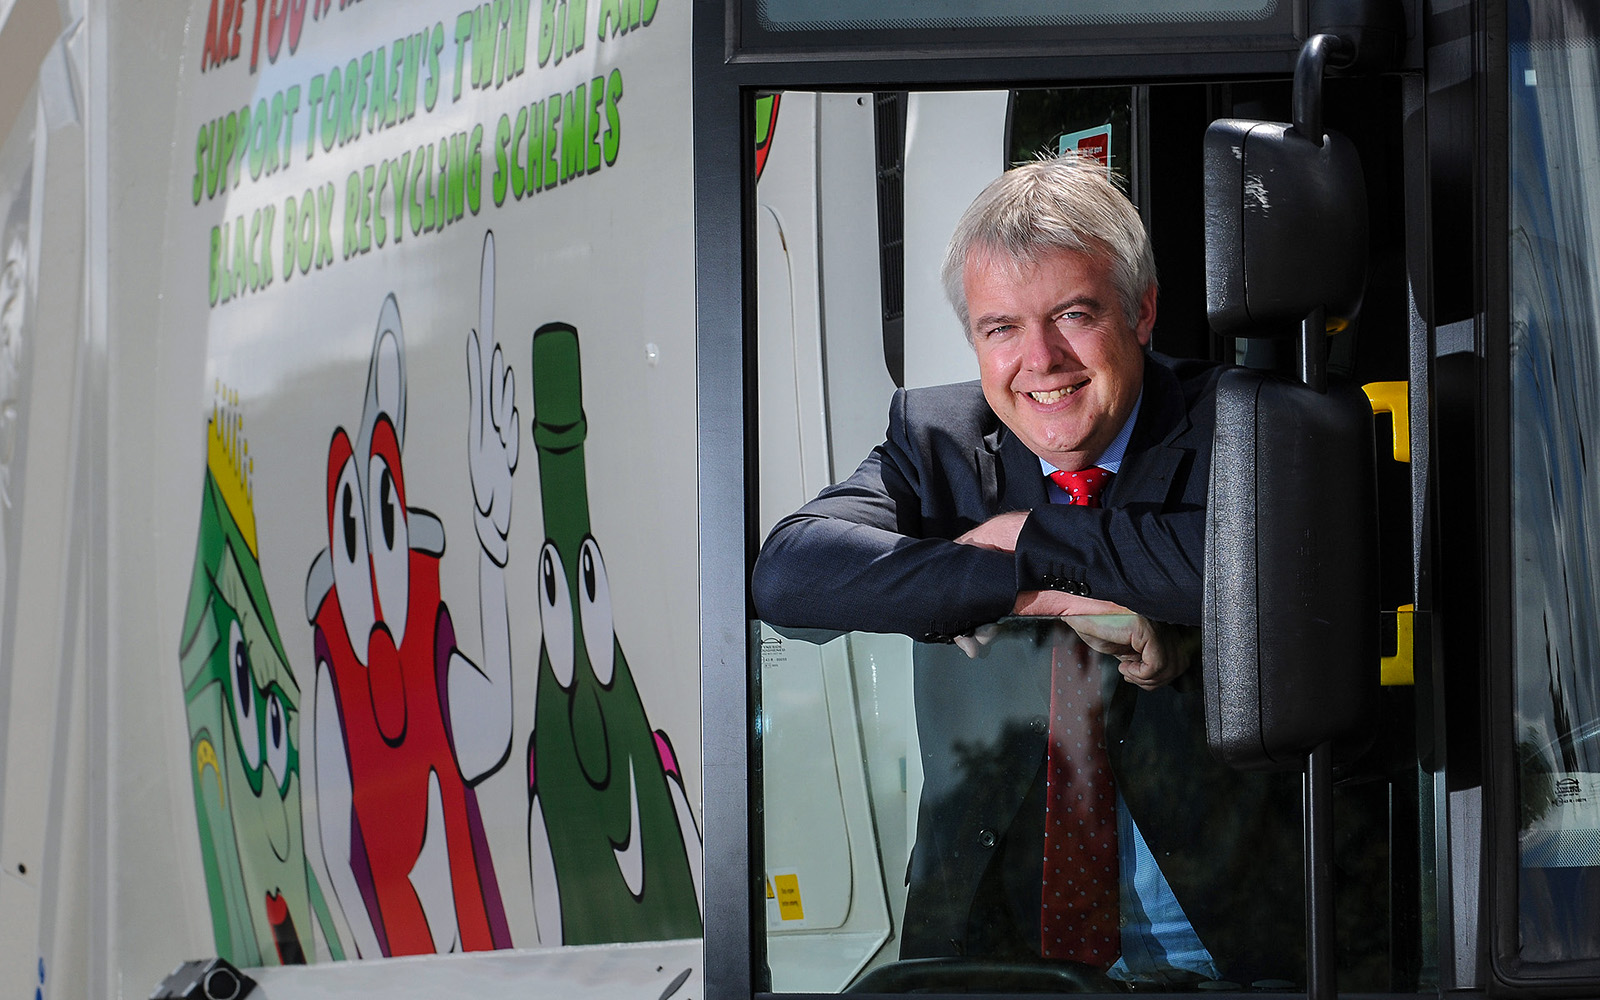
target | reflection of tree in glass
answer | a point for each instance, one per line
(1561, 720)
(1368, 957)
(1534, 775)
(1248, 828)
(1039, 118)
(981, 763)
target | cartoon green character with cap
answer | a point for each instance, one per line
(612, 845)
(243, 709)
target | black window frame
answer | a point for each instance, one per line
(1509, 973)
(727, 77)
(1281, 30)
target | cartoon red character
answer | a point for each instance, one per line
(405, 724)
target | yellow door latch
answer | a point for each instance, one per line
(1399, 670)
(1394, 398)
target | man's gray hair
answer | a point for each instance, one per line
(1066, 202)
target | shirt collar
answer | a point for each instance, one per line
(1111, 458)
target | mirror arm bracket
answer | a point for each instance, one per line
(1317, 54)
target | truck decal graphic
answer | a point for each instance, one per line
(406, 724)
(243, 708)
(612, 845)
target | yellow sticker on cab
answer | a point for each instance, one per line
(788, 886)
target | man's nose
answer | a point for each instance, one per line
(1045, 348)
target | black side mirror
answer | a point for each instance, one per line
(1291, 600)
(1286, 227)
(1291, 603)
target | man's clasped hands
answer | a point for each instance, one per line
(1150, 654)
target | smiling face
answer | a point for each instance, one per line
(1059, 362)
(595, 765)
(261, 773)
(242, 703)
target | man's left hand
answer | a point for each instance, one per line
(1152, 654)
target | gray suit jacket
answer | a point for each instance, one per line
(874, 553)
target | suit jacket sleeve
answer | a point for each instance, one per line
(1150, 562)
(1146, 549)
(874, 553)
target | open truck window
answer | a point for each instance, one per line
(891, 777)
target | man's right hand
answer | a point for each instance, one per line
(1151, 654)
(1054, 604)
(1038, 604)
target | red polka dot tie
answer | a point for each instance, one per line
(1083, 488)
(1079, 915)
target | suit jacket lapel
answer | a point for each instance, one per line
(1012, 479)
(1151, 463)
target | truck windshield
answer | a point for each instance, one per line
(909, 798)
(1554, 146)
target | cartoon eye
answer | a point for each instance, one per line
(594, 610)
(391, 547)
(278, 740)
(244, 698)
(555, 614)
(352, 574)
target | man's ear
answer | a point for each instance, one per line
(1147, 315)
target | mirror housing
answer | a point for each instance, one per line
(1286, 228)
(1291, 598)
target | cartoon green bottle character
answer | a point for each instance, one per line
(243, 709)
(612, 844)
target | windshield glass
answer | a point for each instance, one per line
(906, 807)
(1555, 393)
